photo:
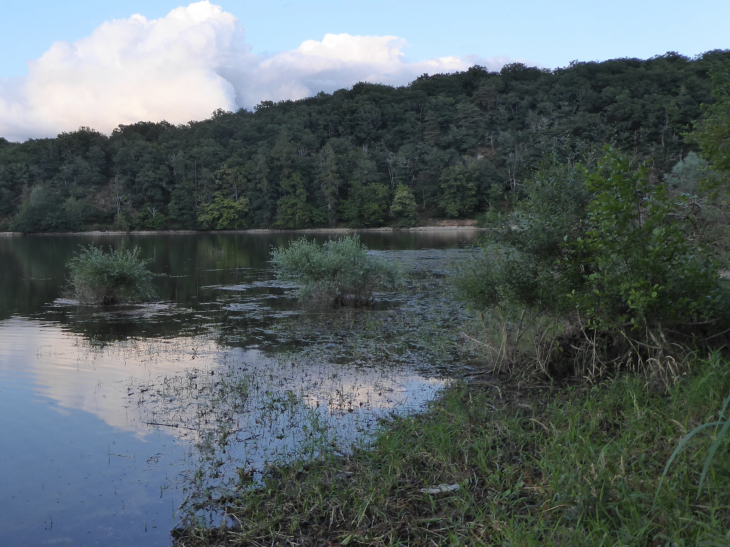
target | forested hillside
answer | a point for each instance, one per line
(444, 146)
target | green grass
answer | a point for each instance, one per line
(339, 271)
(117, 277)
(560, 465)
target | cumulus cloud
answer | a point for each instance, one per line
(186, 65)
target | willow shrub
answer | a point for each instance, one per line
(117, 277)
(338, 272)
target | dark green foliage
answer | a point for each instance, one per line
(117, 277)
(293, 210)
(182, 209)
(459, 185)
(45, 210)
(598, 254)
(223, 213)
(523, 261)
(712, 132)
(607, 243)
(366, 205)
(642, 260)
(340, 271)
(37, 211)
(460, 142)
(403, 208)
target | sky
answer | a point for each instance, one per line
(103, 63)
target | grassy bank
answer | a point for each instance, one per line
(552, 465)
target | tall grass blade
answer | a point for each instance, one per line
(724, 406)
(711, 454)
(677, 450)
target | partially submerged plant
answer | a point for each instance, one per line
(117, 277)
(340, 271)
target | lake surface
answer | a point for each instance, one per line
(115, 423)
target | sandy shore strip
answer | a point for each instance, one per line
(433, 228)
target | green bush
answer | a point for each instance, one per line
(117, 277)
(522, 256)
(644, 263)
(339, 272)
(615, 261)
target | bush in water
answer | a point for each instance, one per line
(339, 271)
(118, 277)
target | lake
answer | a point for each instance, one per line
(117, 422)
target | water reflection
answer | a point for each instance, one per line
(113, 417)
(68, 477)
(34, 267)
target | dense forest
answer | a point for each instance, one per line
(444, 146)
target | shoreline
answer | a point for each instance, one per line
(493, 461)
(444, 228)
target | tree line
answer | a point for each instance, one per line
(445, 146)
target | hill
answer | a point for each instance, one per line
(447, 146)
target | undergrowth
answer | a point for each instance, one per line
(598, 268)
(546, 465)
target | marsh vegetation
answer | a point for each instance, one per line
(120, 276)
(586, 363)
(203, 392)
(340, 271)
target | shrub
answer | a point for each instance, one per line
(117, 277)
(608, 267)
(339, 272)
(522, 259)
(644, 264)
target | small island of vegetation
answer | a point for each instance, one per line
(338, 272)
(117, 277)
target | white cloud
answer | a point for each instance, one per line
(186, 65)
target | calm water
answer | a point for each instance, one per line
(111, 419)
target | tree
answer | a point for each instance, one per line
(366, 205)
(293, 211)
(182, 209)
(403, 208)
(224, 213)
(712, 132)
(459, 187)
(367, 200)
(329, 181)
(463, 142)
(37, 212)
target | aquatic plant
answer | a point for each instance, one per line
(338, 272)
(117, 277)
